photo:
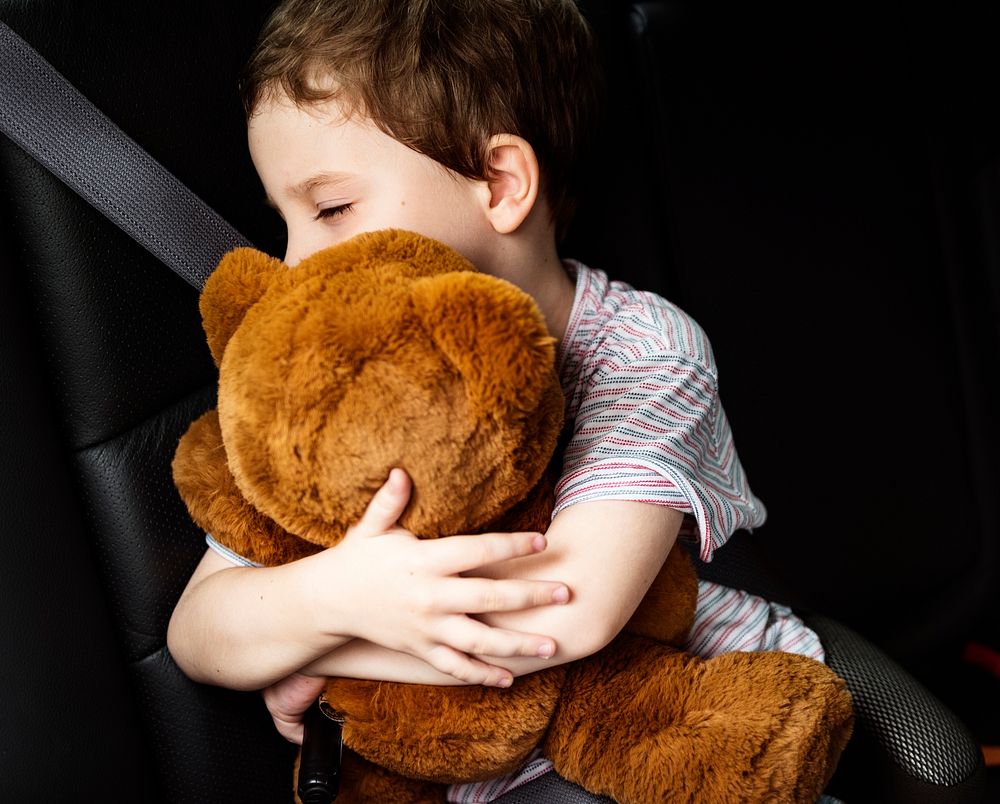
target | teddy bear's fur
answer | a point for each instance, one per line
(390, 350)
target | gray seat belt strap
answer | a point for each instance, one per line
(46, 116)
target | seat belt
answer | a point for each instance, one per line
(48, 117)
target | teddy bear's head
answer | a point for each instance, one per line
(388, 350)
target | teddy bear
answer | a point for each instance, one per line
(389, 350)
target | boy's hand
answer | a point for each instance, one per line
(288, 699)
(408, 595)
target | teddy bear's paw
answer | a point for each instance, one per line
(201, 474)
(216, 504)
(647, 724)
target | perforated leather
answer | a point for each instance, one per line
(114, 340)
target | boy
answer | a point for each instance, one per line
(464, 121)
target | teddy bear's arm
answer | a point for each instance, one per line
(202, 476)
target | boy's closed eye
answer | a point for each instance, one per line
(334, 211)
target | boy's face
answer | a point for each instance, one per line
(331, 177)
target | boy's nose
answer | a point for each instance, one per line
(306, 240)
(293, 255)
(298, 246)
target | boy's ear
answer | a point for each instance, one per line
(241, 278)
(513, 183)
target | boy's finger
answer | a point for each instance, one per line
(293, 731)
(473, 638)
(298, 692)
(288, 699)
(386, 506)
(463, 553)
(483, 595)
(465, 668)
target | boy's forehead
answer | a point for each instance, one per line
(301, 147)
(278, 105)
(283, 117)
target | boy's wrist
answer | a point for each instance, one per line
(325, 591)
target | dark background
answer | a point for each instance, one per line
(823, 185)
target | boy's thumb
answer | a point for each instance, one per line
(388, 504)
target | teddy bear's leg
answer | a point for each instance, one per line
(448, 734)
(363, 782)
(643, 723)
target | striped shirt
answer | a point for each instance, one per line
(641, 391)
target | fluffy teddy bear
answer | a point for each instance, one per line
(391, 350)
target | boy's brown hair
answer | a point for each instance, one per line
(443, 76)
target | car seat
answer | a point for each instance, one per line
(104, 365)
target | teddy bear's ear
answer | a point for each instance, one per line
(241, 278)
(493, 333)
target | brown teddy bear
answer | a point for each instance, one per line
(390, 350)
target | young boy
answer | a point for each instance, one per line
(464, 121)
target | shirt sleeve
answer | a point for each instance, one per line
(229, 555)
(653, 430)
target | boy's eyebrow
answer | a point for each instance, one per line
(327, 177)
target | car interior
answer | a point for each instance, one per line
(818, 187)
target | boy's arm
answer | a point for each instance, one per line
(247, 627)
(612, 550)
(607, 551)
